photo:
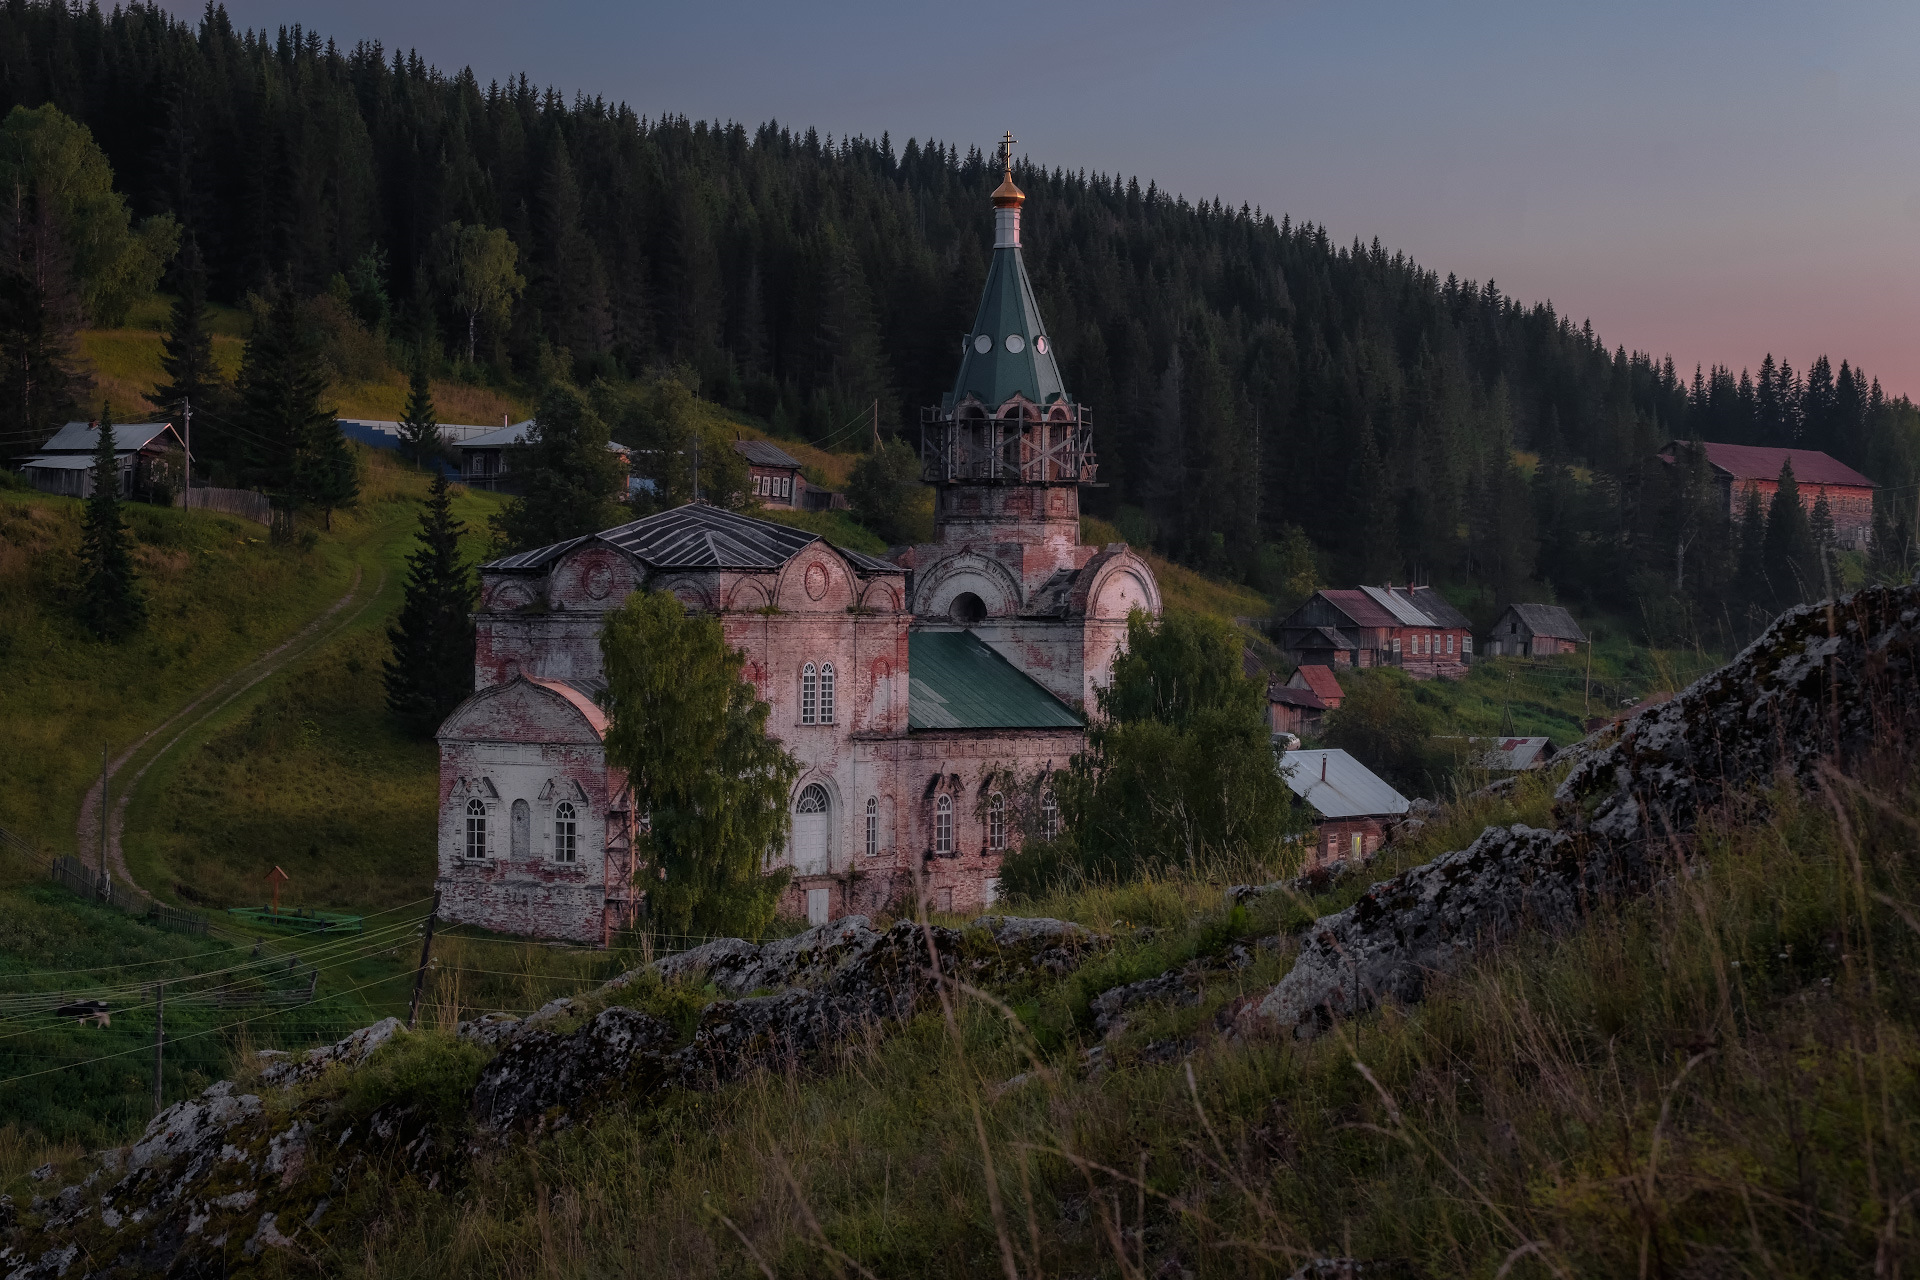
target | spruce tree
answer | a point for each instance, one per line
(186, 356)
(294, 449)
(110, 600)
(570, 478)
(1789, 543)
(431, 670)
(1750, 577)
(420, 429)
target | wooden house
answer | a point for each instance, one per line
(1411, 628)
(1351, 804)
(148, 454)
(1535, 631)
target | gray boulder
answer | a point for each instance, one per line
(542, 1071)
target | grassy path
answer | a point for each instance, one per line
(309, 638)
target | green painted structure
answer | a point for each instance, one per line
(957, 682)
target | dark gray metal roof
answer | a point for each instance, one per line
(1338, 786)
(763, 453)
(696, 537)
(81, 437)
(1439, 608)
(1549, 620)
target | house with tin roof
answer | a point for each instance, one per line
(1413, 628)
(1351, 804)
(1534, 631)
(148, 456)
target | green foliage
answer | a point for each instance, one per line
(193, 376)
(290, 445)
(660, 418)
(366, 282)
(1792, 566)
(691, 735)
(475, 268)
(1286, 570)
(111, 601)
(1382, 723)
(420, 437)
(1179, 768)
(431, 670)
(42, 384)
(571, 480)
(433, 1072)
(46, 155)
(885, 488)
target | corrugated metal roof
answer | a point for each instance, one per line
(1404, 610)
(1361, 607)
(1321, 680)
(80, 437)
(1550, 620)
(1759, 462)
(1439, 608)
(1296, 697)
(501, 437)
(763, 453)
(65, 462)
(956, 682)
(1338, 786)
(698, 536)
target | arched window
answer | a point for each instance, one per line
(873, 827)
(809, 695)
(476, 829)
(1049, 814)
(566, 833)
(520, 831)
(996, 821)
(943, 825)
(813, 799)
(826, 693)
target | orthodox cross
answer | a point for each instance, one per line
(1006, 151)
(276, 878)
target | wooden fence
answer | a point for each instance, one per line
(83, 880)
(244, 503)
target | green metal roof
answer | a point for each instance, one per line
(1008, 310)
(956, 682)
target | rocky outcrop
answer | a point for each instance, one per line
(542, 1079)
(1824, 682)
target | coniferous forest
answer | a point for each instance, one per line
(1253, 379)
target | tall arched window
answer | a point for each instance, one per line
(1049, 814)
(476, 829)
(826, 693)
(566, 832)
(996, 821)
(809, 695)
(943, 825)
(873, 827)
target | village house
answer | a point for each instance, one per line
(1299, 706)
(1534, 631)
(1505, 755)
(1413, 628)
(929, 698)
(148, 454)
(494, 459)
(774, 480)
(1351, 804)
(1738, 468)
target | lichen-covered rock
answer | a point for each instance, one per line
(348, 1050)
(542, 1071)
(1824, 682)
(1178, 987)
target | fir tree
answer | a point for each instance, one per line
(110, 600)
(186, 352)
(293, 447)
(431, 670)
(420, 430)
(571, 478)
(1789, 544)
(1750, 578)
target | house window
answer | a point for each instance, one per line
(809, 695)
(476, 829)
(826, 693)
(1356, 845)
(566, 832)
(996, 821)
(1449, 644)
(943, 825)
(1466, 644)
(1049, 814)
(1396, 646)
(873, 827)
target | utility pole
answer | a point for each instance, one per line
(696, 485)
(186, 410)
(426, 952)
(1586, 692)
(876, 424)
(159, 1038)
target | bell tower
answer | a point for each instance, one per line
(1008, 449)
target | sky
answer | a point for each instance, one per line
(1703, 180)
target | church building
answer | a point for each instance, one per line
(928, 697)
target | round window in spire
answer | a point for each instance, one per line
(1016, 343)
(1040, 345)
(983, 344)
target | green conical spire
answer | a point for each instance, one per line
(1008, 351)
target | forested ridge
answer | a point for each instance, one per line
(1249, 375)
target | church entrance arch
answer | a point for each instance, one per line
(813, 832)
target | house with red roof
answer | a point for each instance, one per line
(1740, 467)
(1413, 628)
(1301, 704)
